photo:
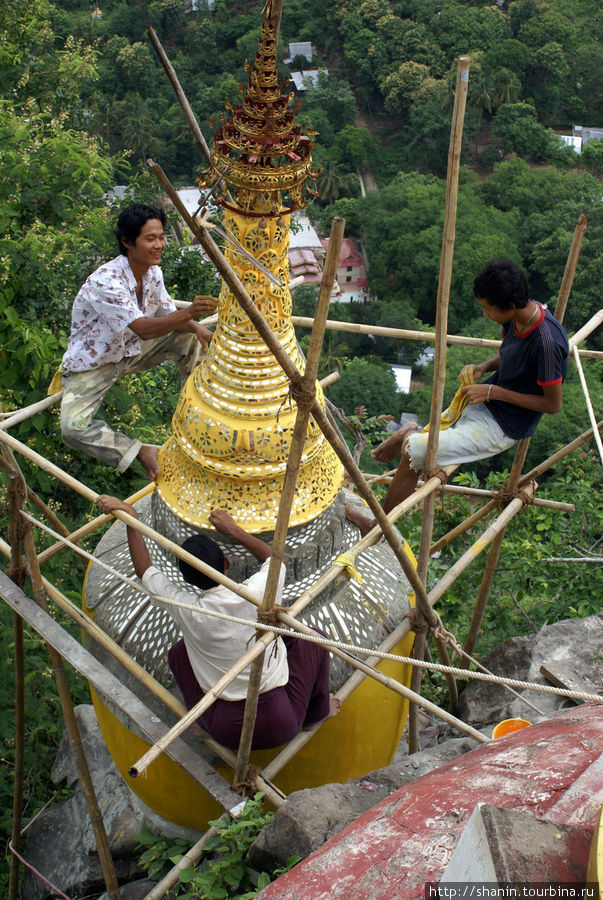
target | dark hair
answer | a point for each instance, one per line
(131, 220)
(208, 552)
(504, 284)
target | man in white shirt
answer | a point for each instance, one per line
(294, 687)
(124, 321)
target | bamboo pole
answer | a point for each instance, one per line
(593, 323)
(537, 471)
(407, 334)
(175, 82)
(75, 741)
(190, 858)
(439, 380)
(47, 512)
(17, 572)
(587, 400)
(20, 415)
(492, 562)
(92, 526)
(467, 523)
(570, 268)
(307, 390)
(71, 725)
(476, 492)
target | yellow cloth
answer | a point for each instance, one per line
(458, 404)
(56, 384)
(347, 561)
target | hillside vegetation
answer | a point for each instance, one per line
(84, 103)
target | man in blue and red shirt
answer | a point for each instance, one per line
(529, 370)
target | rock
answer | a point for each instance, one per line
(574, 642)
(310, 817)
(60, 843)
(136, 890)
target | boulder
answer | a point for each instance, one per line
(60, 842)
(574, 644)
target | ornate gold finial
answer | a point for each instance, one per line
(259, 152)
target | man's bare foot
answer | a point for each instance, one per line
(391, 446)
(334, 707)
(148, 456)
(364, 523)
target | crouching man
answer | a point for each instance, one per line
(294, 688)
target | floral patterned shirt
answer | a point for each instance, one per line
(104, 308)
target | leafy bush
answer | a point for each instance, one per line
(224, 873)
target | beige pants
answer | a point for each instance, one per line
(83, 393)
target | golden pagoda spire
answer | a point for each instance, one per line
(258, 149)
(234, 420)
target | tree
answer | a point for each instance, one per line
(401, 87)
(592, 157)
(333, 181)
(367, 382)
(354, 145)
(506, 87)
(334, 97)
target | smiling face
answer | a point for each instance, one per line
(495, 313)
(147, 248)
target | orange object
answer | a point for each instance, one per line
(509, 725)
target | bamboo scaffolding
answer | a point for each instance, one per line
(475, 492)
(17, 573)
(26, 412)
(73, 733)
(322, 420)
(274, 795)
(539, 470)
(307, 387)
(406, 334)
(570, 268)
(439, 379)
(514, 479)
(587, 400)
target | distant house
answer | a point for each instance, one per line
(402, 375)
(581, 136)
(301, 80)
(303, 263)
(351, 272)
(306, 252)
(301, 48)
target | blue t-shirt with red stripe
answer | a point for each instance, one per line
(528, 362)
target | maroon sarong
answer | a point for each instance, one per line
(282, 712)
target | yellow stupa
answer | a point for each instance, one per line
(229, 448)
(233, 424)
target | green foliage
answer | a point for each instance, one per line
(367, 382)
(224, 872)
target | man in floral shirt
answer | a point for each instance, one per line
(124, 321)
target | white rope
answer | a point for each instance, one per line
(326, 642)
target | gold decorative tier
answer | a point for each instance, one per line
(233, 424)
(258, 150)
